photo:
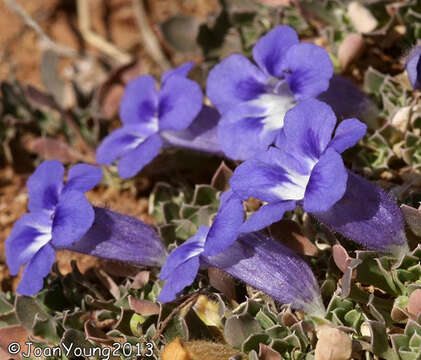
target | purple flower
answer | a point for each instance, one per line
(305, 169)
(115, 236)
(201, 135)
(146, 113)
(59, 215)
(182, 266)
(367, 215)
(413, 67)
(255, 259)
(226, 224)
(253, 100)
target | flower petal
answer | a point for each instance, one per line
(308, 129)
(193, 247)
(183, 70)
(118, 143)
(347, 134)
(29, 234)
(201, 135)
(368, 216)
(413, 67)
(348, 101)
(308, 70)
(240, 132)
(180, 101)
(73, 217)
(183, 277)
(44, 185)
(225, 228)
(271, 176)
(139, 104)
(83, 177)
(123, 238)
(271, 49)
(233, 81)
(134, 161)
(327, 183)
(268, 266)
(267, 215)
(37, 269)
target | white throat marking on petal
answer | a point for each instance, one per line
(275, 104)
(295, 188)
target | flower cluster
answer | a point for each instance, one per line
(266, 114)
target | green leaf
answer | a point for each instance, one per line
(264, 320)
(205, 195)
(75, 339)
(239, 327)
(379, 341)
(253, 342)
(46, 329)
(27, 309)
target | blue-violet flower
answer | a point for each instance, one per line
(145, 113)
(255, 259)
(59, 215)
(123, 238)
(413, 67)
(306, 168)
(367, 215)
(253, 100)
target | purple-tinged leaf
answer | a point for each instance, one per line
(414, 303)
(141, 279)
(267, 353)
(10, 334)
(222, 281)
(350, 49)
(332, 344)
(412, 218)
(95, 334)
(289, 233)
(49, 148)
(143, 307)
(221, 178)
(341, 257)
(108, 283)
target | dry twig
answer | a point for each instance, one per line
(150, 41)
(188, 302)
(96, 40)
(57, 48)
